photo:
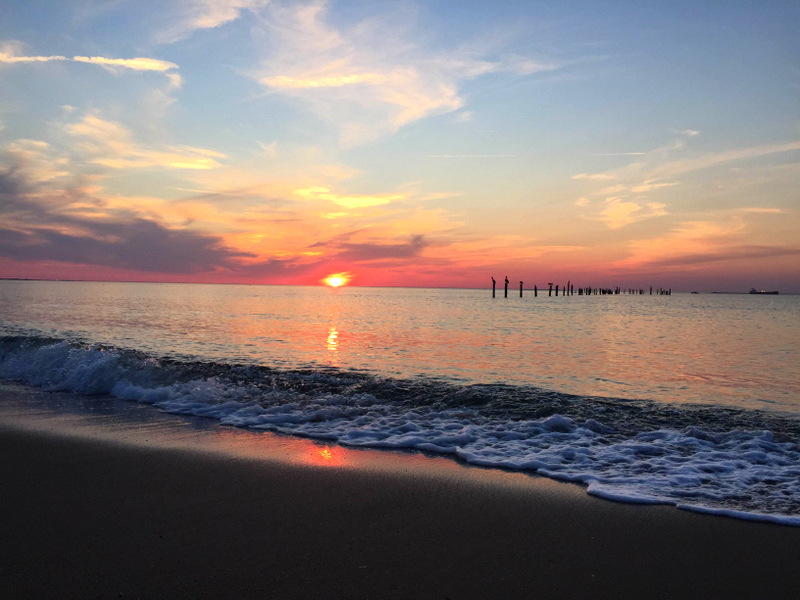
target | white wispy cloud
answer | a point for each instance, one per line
(9, 59)
(194, 15)
(35, 161)
(106, 137)
(626, 202)
(157, 99)
(594, 176)
(619, 153)
(111, 145)
(618, 213)
(136, 64)
(348, 200)
(651, 185)
(681, 167)
(10, 54)
(372, 77)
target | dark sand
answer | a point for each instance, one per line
(140, 513)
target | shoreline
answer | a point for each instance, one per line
(157, 506)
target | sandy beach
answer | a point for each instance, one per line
(95, 508)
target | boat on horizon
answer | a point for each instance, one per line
(755, 291)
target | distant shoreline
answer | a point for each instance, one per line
(541, 289)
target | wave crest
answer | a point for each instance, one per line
(724, 461)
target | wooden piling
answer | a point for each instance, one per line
(569, 290)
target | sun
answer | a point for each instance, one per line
(336, 280)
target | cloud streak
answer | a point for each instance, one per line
(111, 145)
(618, 213)
(9, 56)
(723, 241)
(135, 243)
(372, 77)
(350, 201)
(729, 254)
(627, 202)
(369, 252)
(196, 15)
(135, 64)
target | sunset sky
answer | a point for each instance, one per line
(431, 143)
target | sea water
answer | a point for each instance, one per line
(690, 400)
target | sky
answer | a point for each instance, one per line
(433, 143)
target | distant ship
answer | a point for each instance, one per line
(755, 291)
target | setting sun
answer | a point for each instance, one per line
(336, 280)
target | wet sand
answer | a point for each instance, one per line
(94, 508)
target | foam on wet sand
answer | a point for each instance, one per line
(100, 506)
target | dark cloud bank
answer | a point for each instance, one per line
(41, 221)
(38, 222)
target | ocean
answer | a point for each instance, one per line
(691, 400)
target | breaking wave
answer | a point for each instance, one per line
(736, 462)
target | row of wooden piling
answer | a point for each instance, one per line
(569, 290)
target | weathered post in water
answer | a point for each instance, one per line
(494, 287)
(556, 290)
(535, 291)
(520, 289)
(550, 292)
(506, 290)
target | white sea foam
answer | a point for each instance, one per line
(744, 474)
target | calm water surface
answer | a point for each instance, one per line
(735, 350)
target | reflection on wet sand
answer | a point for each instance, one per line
(120, 422)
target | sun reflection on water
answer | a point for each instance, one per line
(332, 342)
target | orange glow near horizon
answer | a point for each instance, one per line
(337, 279)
